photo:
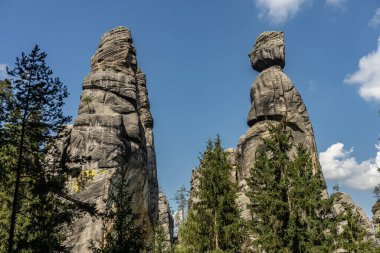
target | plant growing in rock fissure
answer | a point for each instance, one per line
(213, 223)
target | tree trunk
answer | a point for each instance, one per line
(216, 234)
(16, 192)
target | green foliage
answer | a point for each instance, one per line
(336, 188)
(376, 191)
(181, 198)
(351, 235)
(34, 206)
(159, 239)
(213, 223)
(122, 233)
(289, 213)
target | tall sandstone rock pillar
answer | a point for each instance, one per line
(273, 97)
(114, 122)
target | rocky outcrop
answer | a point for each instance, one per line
(114, 125)
(343, 202)
(165, 219)
(273, 98)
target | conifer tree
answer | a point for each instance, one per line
(159, 238)
(288, 211)
(181, 198)
(122, 233)
(213, 223)
(31, 116)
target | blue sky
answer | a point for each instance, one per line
(195, 56)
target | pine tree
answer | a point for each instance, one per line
(31, 119)
(213, 223)
(181, 198)
(289, 213)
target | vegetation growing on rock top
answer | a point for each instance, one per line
(213, 223)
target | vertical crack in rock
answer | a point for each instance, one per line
(114, 121)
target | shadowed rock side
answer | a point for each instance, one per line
(166, 220)
(113, 123)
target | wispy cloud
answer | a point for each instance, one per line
(336, 3)
(339, 164)
(368, 76)
(375, 21)
(3, 71)
(279, 11)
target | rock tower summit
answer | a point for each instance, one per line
(114, 122)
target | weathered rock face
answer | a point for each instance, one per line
(113, 124)
(269, 50)
(166, 220)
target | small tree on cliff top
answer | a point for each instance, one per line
(213, 223)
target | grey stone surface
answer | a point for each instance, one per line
(194, 187)
(166, 219)
(114, 121)
(268, 51)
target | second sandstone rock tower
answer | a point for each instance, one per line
(273, 98)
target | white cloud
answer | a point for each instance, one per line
(375, 21)
(368, 76)
(3, 71)
(279, 11)
(336, 3)
(339, 164)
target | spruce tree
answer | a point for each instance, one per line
(213, 223)
(288, 211)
